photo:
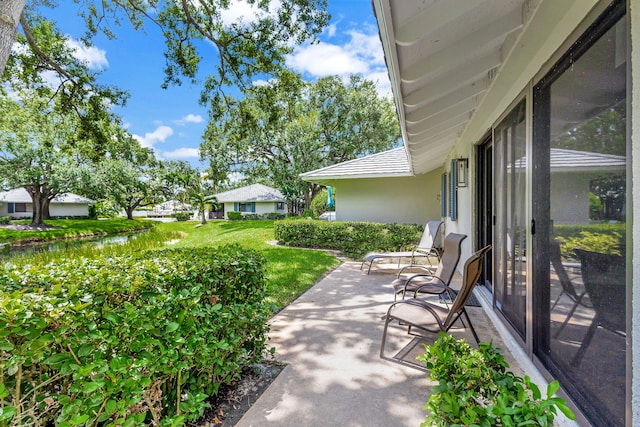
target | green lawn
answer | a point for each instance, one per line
(289, 271)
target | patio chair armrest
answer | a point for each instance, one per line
(414, 277)
(438, 283)
(419, 266)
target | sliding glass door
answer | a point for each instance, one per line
(579, 204)
(510, 255)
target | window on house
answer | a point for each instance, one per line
(280, 206)
(20, 207)
(247, 207)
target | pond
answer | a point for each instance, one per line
(7, 251)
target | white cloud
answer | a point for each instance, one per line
(243, 12)
(151, 138)
(182, 153)
(189, 118)
(331, 29)
(362, 54)
(324, 59)
(92, 56)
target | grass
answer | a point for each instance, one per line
(289, 271)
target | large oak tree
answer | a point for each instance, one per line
(288, 127)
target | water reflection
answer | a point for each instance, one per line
(8, 252)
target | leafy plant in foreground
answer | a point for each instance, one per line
(476, 389)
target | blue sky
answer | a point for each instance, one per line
(170, 120)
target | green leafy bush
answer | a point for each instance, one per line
(352, 238)
(475, 388)
(234, 216)
(128, 340)
(181, 216)
(604, 238)
(5, 220)
(319, 203)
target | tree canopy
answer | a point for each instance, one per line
(245, 47)
(288, 127)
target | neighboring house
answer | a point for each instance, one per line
(527, 107)
(165, 209)
(16, 203)
(381, 188)
(252, 199)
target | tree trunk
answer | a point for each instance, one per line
(36, 202)
(129, 211)
(202, 215)
(10, 11)
(46, 201)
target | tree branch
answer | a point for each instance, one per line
(43, 56)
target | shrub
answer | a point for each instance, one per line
(234, 216)
(5, 220)
(604, 238)
(274, 216)
(181, 216)
(319, 203)
(128, 340)
(308, 214)
(251, 216)
(475, 388)
(352, 238)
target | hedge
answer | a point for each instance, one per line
(127, 340)
(352, 238)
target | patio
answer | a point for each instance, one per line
(330, 340)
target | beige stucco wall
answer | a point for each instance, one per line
(55, 209)
(261, 208)
(409, 200)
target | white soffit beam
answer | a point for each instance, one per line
(552, 23)
(466, 73)
(484, 38)
(418, 145)
(441, 105)
(431, 19)
(446, 114)
(443, 126)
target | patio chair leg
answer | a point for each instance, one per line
(573, 309)
(384, 335)
(473, 331)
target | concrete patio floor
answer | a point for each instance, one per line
(330, 340)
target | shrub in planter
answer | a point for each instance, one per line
(5, 220)
(181, 216)
(234, 216)
(129, 340)
(475, 388)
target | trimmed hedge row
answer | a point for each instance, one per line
(239, 216)
(352, 238)
(128, 340)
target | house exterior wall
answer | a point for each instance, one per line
(69, 209)
(55, 209)
(410, 200)
(570, 199)
(261, 208)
